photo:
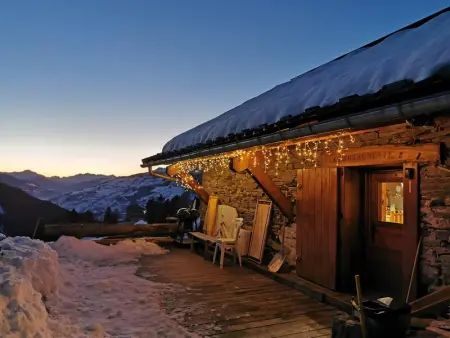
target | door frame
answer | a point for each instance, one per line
(382, 239)
(411, 230)
(411, 223)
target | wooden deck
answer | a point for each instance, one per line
(234, 301)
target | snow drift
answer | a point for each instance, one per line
(28, 272)
(74, 288)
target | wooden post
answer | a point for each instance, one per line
(191, 182)
(362, 316)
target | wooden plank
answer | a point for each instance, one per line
(275, 321)
(259, 230)
(311, 334)
(233, 301)
(304, 323)
(254, 167)
(210, 216)
(349, 231)
(384, 155)
(299, 233)
(325, 200)
(309, 227)
(320, 208)
(332, 228)
(411, 205)
(433, 303)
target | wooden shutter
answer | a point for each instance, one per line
(317, 225)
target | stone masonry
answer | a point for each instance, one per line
(241, 192)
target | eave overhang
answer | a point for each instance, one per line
(372, 118)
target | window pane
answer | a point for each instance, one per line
(391, 202)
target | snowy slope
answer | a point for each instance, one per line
(118, 193)
(409, 54)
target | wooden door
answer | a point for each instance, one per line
(317, 223)
(384, 231)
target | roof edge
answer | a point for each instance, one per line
(367, 119)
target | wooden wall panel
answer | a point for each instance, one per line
(299, 217)
(317, 221)
(411, 227)
(332, 226)
(351, 225)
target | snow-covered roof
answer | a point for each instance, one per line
(412, 54)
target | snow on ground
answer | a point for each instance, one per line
(74, 288)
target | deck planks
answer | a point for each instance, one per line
(233, 302)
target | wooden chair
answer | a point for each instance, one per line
(228, 241)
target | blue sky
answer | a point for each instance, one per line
(95, 86)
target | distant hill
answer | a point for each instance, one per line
(21, 211)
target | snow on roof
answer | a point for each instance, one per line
(407, 54)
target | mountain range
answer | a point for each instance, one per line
(46, 188)
(90, 192)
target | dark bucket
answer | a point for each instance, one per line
(386, 322)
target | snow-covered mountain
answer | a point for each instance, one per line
(91, 192)
(118, 193)
(45, 188)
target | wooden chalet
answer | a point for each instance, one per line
(354, 155)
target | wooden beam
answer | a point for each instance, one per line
(432, 304)
(253, 165)
(191, 182)
(383, 155)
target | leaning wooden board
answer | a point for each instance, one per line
(259, 230)
(211, 213)
(433, 303)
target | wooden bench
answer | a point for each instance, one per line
(208, 225)
(204, 238)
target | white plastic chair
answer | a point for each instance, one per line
(227, 240)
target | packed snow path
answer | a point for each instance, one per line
(74, 288)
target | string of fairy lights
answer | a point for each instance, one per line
(308, 153)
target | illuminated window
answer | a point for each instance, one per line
(390, 202)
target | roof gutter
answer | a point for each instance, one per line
(367, 119)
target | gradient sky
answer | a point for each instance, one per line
(97, 85)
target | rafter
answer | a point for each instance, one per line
(190, 181)
(253, 166)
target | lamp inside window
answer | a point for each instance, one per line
(391, 202)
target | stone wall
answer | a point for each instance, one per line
(241, 192)
(435, 225)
